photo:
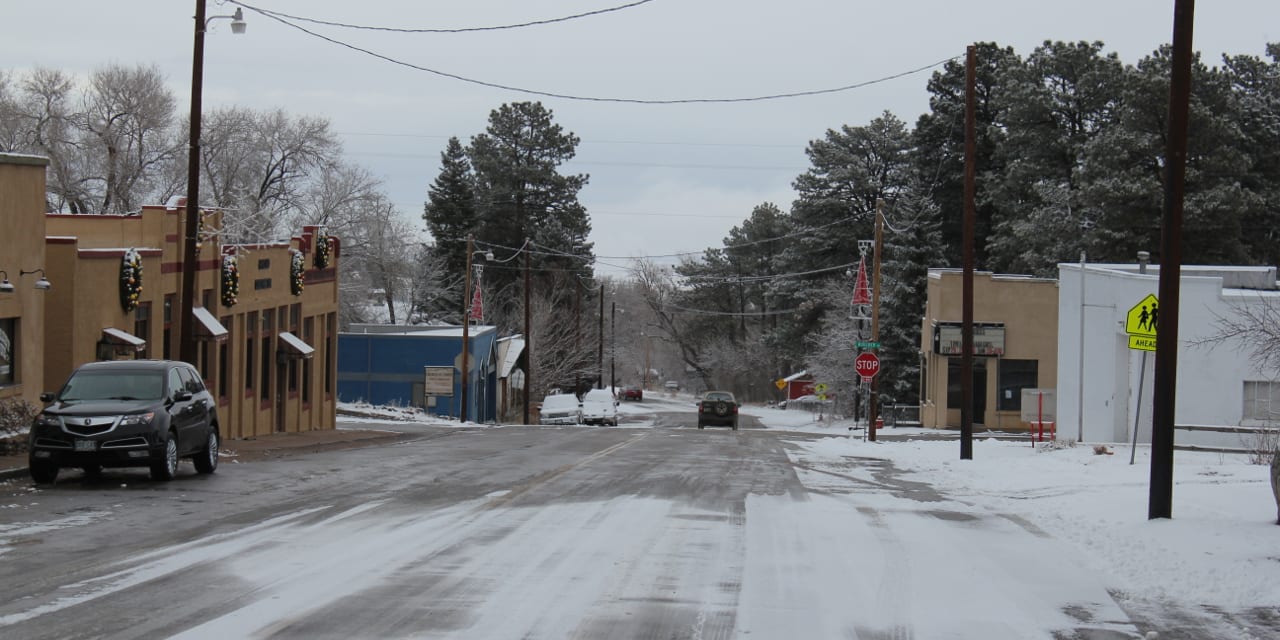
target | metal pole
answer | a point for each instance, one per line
(466, 330)
(186, 325)
(966, 332)
(577, 335)
(1143, 257)
(873, 400)
(1164, 391)
(600, 351)
(1080, 369)
(613, 345)
(528, 336)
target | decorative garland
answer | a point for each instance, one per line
(322, 249)
(297, 265)
(230, 281)
(130, 280)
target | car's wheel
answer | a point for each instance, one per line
(734, 425)
(206, 459)
(700, 425)
(167, 467)
(43, 472)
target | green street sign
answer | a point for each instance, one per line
(866, 344)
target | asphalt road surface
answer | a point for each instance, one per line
(664, 531)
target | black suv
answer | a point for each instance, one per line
(126, 413)
(718, 408)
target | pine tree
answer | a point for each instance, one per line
(912, 244)
(939, 139)
(1059, 100)
(450, 214)
(520, 195)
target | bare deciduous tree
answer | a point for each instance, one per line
(1252, 326)
(259, 166)
(127, 116)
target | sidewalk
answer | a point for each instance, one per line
(276, 445)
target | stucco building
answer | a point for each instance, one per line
(1104, 389)
(22, 305)
(265, 315)
(1015, 345)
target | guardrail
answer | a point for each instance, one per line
(1259, 434)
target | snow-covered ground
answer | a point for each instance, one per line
(1220, 549)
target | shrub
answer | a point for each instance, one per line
(15, 420)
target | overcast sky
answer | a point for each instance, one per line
(665, 179)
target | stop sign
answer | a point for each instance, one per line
(867, 365)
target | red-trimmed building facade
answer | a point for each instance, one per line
(266, 346)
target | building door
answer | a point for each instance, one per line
(979, 391)
(278, 405)
(955, 391)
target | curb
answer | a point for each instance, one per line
(15, 472)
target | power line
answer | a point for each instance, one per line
(564, 96)
(462, 30)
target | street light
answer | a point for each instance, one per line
(187, 342)
(466, 323)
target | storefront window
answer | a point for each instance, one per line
(8, 351)
(1016, 375)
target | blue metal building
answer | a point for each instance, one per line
(386, 364)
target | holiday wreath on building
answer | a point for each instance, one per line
(130, 280)
(322, 250)
(230, 281)
(296, 266)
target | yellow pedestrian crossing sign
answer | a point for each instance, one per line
(1142, 323)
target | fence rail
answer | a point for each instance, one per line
(1259, 434)
(901, 415)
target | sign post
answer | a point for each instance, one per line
(1141, 323)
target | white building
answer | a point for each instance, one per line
(1216, 385)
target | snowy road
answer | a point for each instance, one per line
(650, 532)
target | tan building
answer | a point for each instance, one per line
(266, 347)
(22, 305)
(1015, 344)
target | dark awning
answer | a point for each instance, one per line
(122, 338)
(293, 346)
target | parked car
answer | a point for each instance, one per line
(600, 407)
(126, 413)
(718, 408)
(633, 393)
(560, 408)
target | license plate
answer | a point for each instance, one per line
(86, 445)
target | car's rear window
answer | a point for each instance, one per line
(114, 385)
(713, 396)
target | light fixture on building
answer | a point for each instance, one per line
(41, 284)
(5, 285)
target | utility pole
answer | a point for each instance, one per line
(466, 328)
(528, 336)
(875, 317)
(1164, 389)
(613, 346)
(600, 351)
(577, 334)
(970, 189)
